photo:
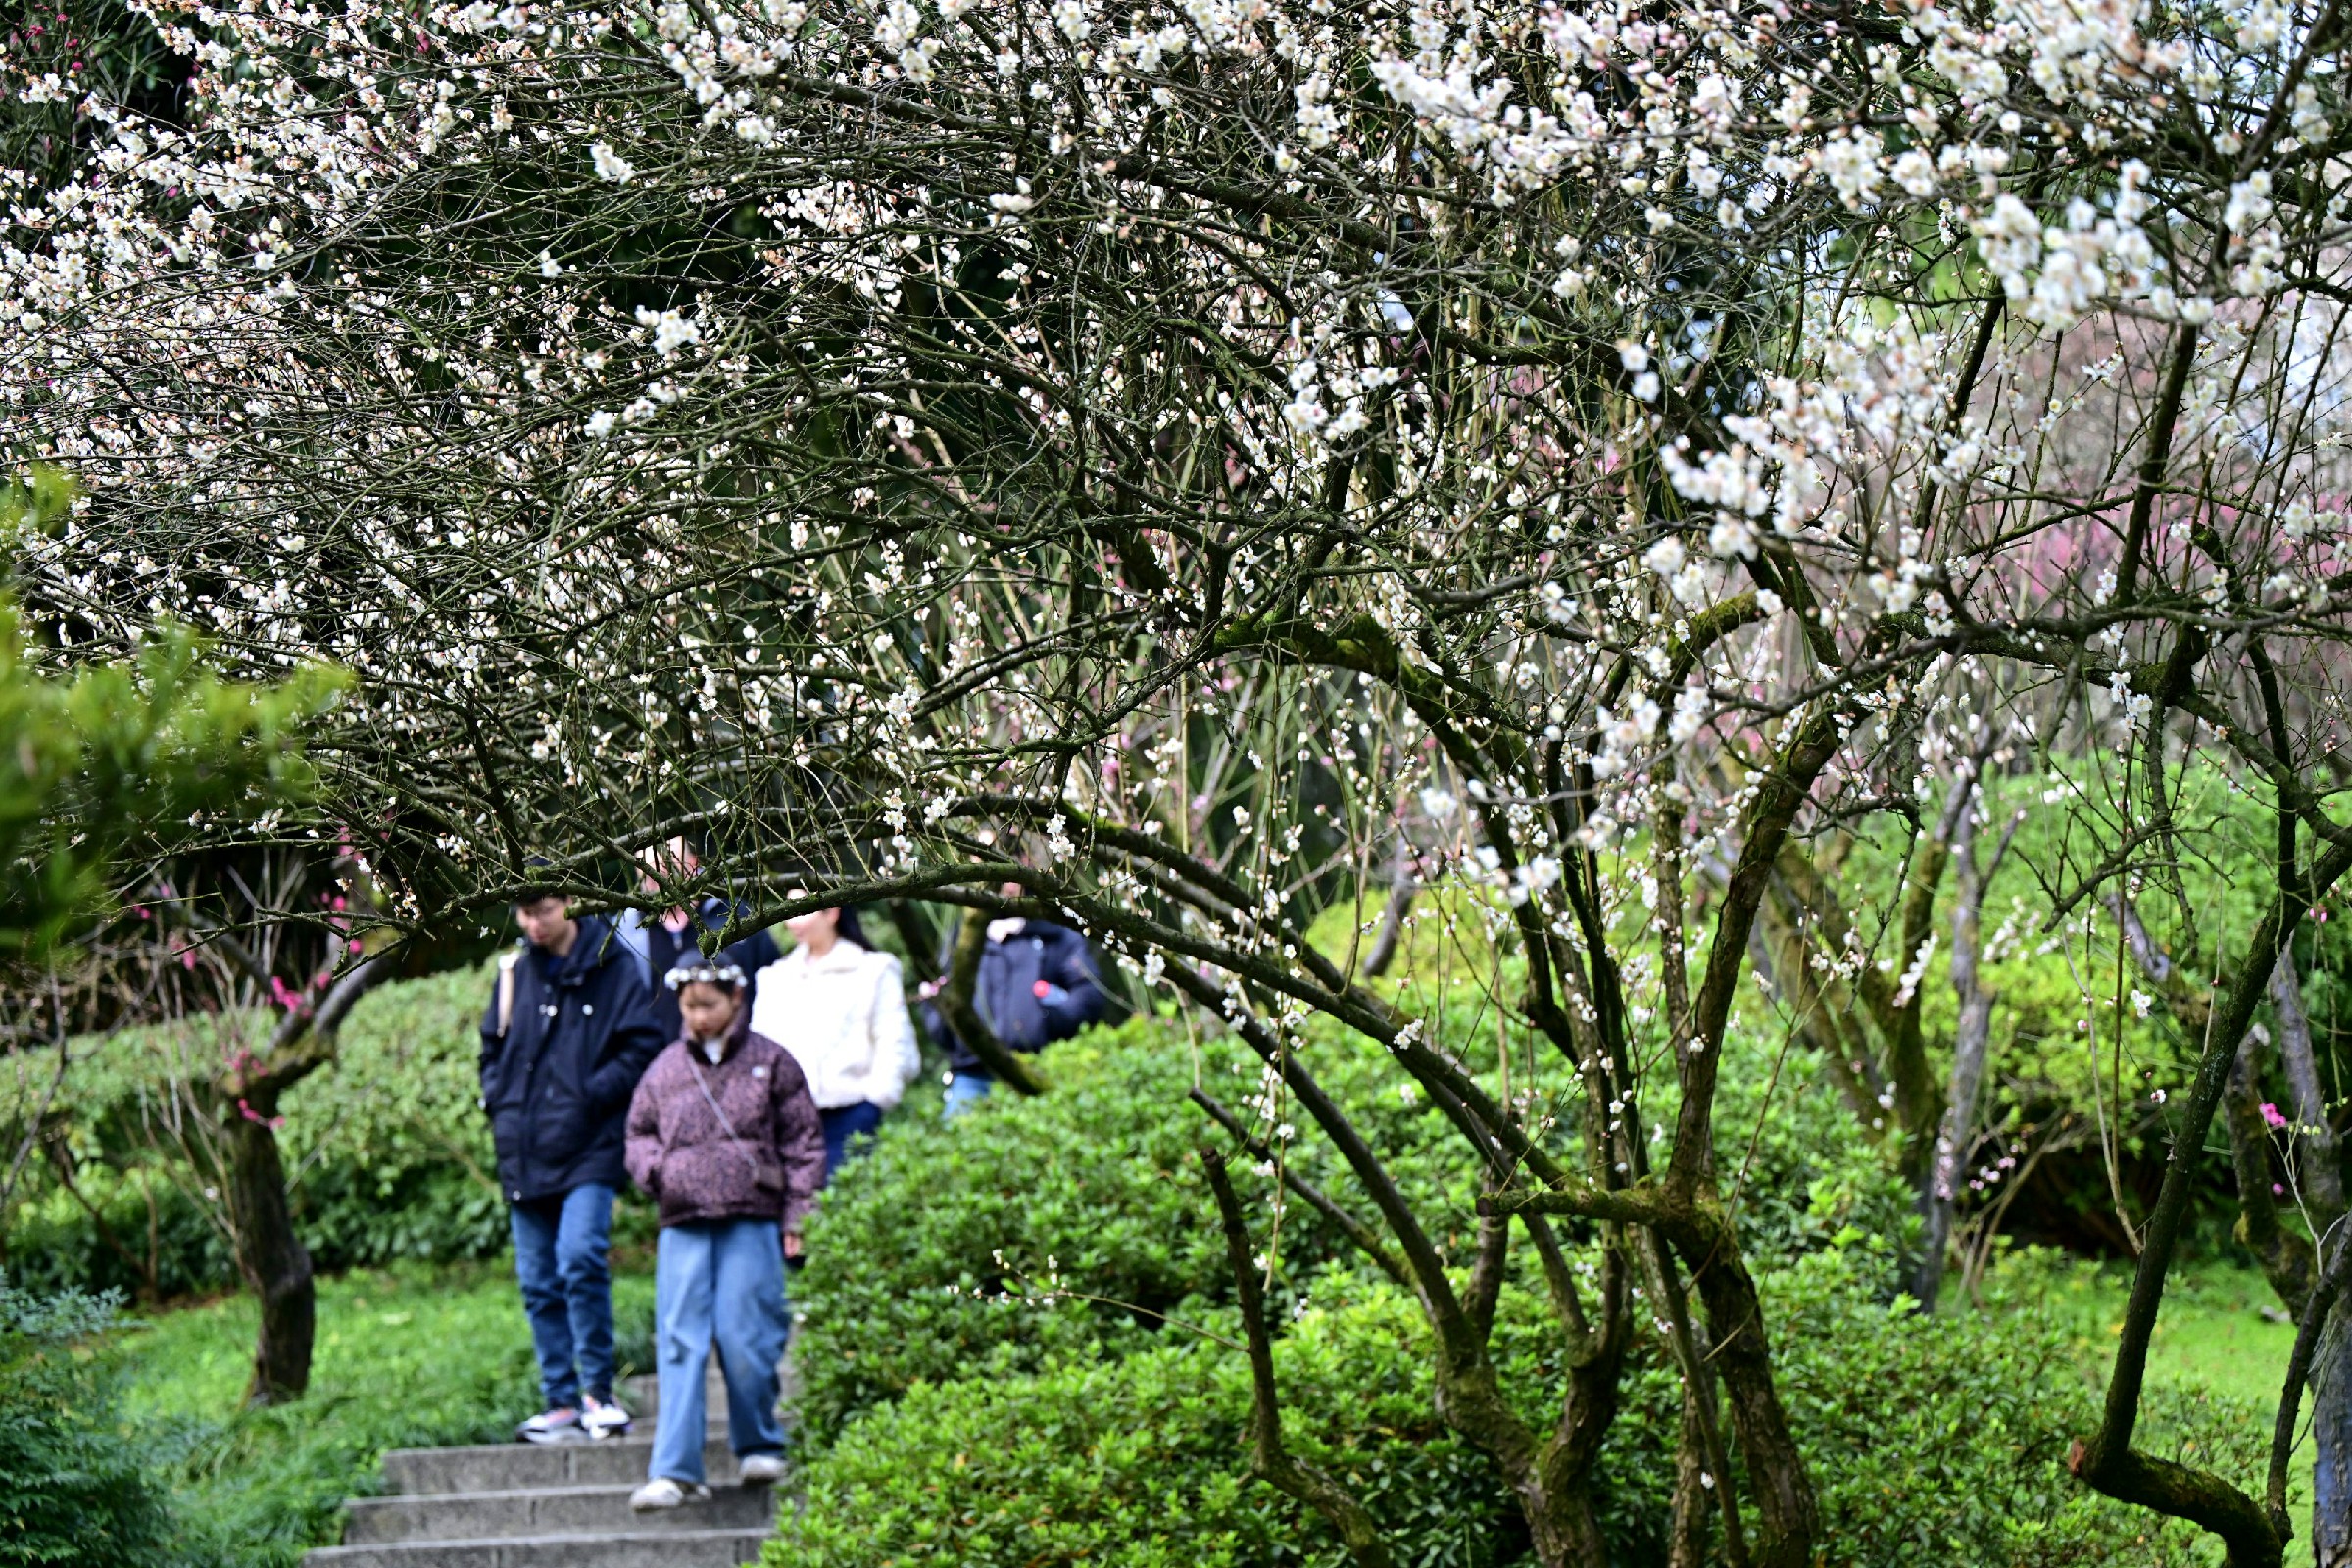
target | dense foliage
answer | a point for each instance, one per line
(388, 1155)
(113, 758)
(1171, 462)
(1087, 1201)
(996, 1426)
(78, 1489)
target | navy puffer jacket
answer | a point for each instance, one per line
(556, 1085)
(1006, 992)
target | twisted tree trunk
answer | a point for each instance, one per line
(270, 1256)
(274, 1263)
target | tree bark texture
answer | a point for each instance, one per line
(2331, 1437)
(277, 1266)
(1686, 1529)
(270, 1256)
(1971, 1042)
(2284, 1256)
(1402, 886)
(2317, 1162)
(1305, 1482)
(1788, 1515)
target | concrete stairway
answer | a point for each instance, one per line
(562, 1505)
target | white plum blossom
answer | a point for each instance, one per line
(1205, 454)
(610, 165)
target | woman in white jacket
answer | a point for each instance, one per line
(840, 1008)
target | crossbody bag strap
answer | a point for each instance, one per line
(710, 1100)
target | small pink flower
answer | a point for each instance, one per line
(2271, 1115)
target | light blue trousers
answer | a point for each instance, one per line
(719, 1280)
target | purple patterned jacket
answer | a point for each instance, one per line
(766, 1161)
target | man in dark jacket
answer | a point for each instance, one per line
(1037, 983)
(567, 1037)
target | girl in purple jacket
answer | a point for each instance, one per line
(723, 1137)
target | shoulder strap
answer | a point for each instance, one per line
(505, 987)
(733, 1136)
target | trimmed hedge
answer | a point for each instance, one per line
(1094, 1184)
(1932, 1441)
(920, 1245)
(1141, 1462)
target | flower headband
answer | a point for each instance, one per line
(704, 973)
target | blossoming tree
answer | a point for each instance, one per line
(1156, 455)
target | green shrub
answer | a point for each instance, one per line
(1932, 1441)
(1094, 1183)
(387, 1152)
(1944, 1438)
(1798, 1172)
(155, 1241)
(75, 1484)
(1140, 1463)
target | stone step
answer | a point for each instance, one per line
(634, 1548)
(514, 1466)
(544, 1511)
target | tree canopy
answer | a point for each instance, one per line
(1185, 460)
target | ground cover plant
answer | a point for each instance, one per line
(76, 1485)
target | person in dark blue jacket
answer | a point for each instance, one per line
(661, 941)
(1037, 983)
(567, 1037)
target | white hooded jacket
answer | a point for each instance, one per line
(843, 1019)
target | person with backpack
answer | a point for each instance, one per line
(662, 940)
(840, 1008)
(563, 1043)
(723, 1137)
(1037, 983)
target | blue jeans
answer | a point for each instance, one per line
(721, 1279)
(567, 1290)
(964, 1091)
(844, 1123)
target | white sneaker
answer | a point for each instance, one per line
(604, 1418)
(552, 1426)
(762, 1469)
(661, 1492)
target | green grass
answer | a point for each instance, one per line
(2211, 1336)
(406, 1356)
